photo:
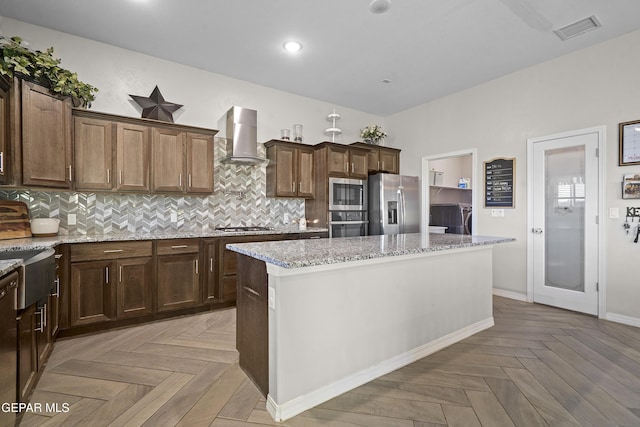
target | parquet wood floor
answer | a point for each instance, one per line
(538, 366)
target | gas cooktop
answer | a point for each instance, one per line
(244, 228)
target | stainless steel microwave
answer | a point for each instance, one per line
(347, 194)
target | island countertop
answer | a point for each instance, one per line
(307, 253)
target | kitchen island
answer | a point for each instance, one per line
(318, 318)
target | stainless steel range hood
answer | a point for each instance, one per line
(242, 139)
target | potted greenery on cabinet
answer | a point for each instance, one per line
(19, 60)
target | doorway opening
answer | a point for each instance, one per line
(449, 187)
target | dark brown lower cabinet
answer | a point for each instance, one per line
(210, 284)
(177, 274)
(27, 353)
(252, 332)
(106, 282)
(92, 292)
(44, 340)
(110, 281)
(134, 288)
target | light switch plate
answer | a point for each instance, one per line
(497, 212)
(614, 213)
(71, 219)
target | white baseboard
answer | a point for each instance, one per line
(300, 404)
(509, 294)
(621, 318)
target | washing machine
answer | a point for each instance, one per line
(466, 217)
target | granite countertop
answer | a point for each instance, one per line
(307, 253)
(8, 265)
(50, 242)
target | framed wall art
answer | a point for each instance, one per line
(629, 148)
(631, 186)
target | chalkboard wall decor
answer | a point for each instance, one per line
(499, 178)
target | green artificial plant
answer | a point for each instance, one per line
(43, 68)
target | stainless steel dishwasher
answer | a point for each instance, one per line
(8, 346)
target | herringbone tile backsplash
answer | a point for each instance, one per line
(99, 213)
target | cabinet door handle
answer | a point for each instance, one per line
(120, 177)
(56, 293)
(179, 180)
(189, 178)
(41, 313)
(178, 246)
(108, 176)
(113, 251)
(351, 167)
(1, 161)
(211, 265)
(378, 164)
(196, 266)
(251, 291)
(58, 256)
(383, 164)
(300, 186)
(70, 178)
(106, 275)
(44, 315)
(120, 274)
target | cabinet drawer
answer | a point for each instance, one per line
(109, 250)
(177, 246)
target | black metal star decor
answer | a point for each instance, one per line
(155, 107)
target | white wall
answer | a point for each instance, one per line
(593, 87)
(453, 168)
(206, 96)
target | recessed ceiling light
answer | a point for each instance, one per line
(292, 46)
(379, 6)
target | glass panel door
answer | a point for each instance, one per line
(565, 217)
(564, 234)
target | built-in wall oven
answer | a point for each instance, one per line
(348, 207)
(348, 223)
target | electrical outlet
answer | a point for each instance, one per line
(71, 219)
(272, 298)
(174, 216)
(287, 219)
(497, 212)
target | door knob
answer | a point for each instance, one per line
(536, 230)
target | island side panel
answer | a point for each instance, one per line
(343, 325)
(252, 332)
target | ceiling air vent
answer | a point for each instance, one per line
(579, 27)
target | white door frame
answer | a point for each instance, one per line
(601, 131)
(475, 185)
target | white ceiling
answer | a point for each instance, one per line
(427, 48)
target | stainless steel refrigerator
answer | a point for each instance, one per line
(394, 204)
